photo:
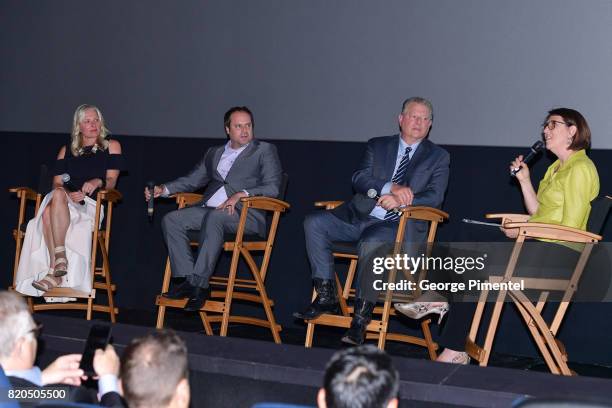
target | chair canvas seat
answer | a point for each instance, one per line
(194, 236)
(345, 247)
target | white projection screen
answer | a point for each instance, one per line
(310, 70)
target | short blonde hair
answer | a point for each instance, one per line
(15, 321)
(76, 142)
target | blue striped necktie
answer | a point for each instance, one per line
(397, 178)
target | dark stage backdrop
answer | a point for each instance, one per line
(317, 171)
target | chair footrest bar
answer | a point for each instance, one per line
(245, 320)
(343, 321)
(209, 306)
(102, 285)
(69, 292)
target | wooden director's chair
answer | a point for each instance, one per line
(231, 287)
(542, 332)
(101, 278)
(378, 328)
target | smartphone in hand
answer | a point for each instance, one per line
(98, 338)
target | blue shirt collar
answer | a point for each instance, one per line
(403, 145)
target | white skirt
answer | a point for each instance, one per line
(34, 262)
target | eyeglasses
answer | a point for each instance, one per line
(552, 123)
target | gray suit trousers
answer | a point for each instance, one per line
(212, 224)
(375, 238)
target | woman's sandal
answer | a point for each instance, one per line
(47, 283)
(61, 263)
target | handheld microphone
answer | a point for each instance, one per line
(535, 149)
(151, 188)
(70, 185)
(373, 194)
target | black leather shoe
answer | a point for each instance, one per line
(325, 302)
(355, 335)
(180, 291)
(197, 299)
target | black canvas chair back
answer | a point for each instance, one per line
(600, 207)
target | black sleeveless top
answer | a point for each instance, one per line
(88, 165)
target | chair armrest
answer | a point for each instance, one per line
(509, 217)
(265, 203)
(553, 231)
(24, 191)
(425, 213)
(328, 205)
(110, 195)
(183, 199)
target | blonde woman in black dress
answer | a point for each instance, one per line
(57, 245)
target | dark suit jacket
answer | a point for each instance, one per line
(427, 176)
(257, 170)
(75, 394)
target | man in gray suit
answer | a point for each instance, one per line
(240, 168)
(404, 170)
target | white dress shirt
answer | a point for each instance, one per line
(378, 211)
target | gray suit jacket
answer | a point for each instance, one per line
(257, 170)
(427, 176)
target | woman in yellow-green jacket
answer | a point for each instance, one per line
(564, 197)
(570, 183)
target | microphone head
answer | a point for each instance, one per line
(150, 185)
(65, 177)
(538, 146)
(372, 193)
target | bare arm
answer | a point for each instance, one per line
(529, 194)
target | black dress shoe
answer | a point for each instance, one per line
(325, 302)
(355, 335)
(197, 299)
(180, 291)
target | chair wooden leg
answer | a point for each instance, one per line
(309, 335)
(269, 313)
(431, 347)
(161, 310)
(205, 322)
(341, 298)
(107, 280)
(382, 339)
(555, 358)
(90, 304)
(310, 326)
(230, 290)
(349, 278)
(265, 300)
(488, 344)
(548, 358)
(167, 275)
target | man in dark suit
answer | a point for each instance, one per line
(18, 346)
(404, 170)
(242, 167)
